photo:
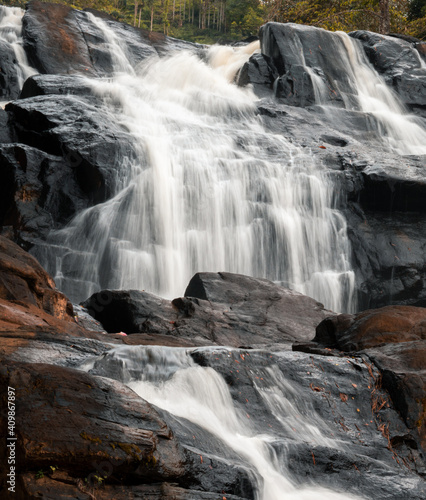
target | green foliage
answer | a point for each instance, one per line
(349, 15)
(208, 21)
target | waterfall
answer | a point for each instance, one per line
(10, 32)
(172, 381)
(363, 89)
(400, 130)
(212, 191)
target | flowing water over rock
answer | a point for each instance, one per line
(212, 191)
(10, 38)
(199, 395)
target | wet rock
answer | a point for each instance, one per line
(292, 49)
(78, 130)
(389, 253)
(350, 445)
(62, 40)
(400, 64)
(53, 40)
(372, 328)
(9, 81)
(23, 280)
(218, 308)
(258, 73)
(51, 428)
(394, 338)
(55, 85)
(58, 485)
(39, 192)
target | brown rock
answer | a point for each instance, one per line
(373, 328)
(24, 281)
(87, 426)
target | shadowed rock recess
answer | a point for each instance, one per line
(240, 389)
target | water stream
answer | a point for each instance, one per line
(212, 191)
(172, 381)
(10, 33)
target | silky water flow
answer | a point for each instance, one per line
(211, 190)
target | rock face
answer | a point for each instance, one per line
(394, 339)
(61, 40)
(238, 311)
(347, 411)
(57, 137)
(58, 129)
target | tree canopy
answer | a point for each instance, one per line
(212, 20)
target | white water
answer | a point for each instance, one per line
(213, 191)
(169, 379)
(369, 93)
(10, 32)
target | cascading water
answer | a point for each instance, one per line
(400, 130)
(172, 381)
(213, 191)
(363, 89)
(10, 32)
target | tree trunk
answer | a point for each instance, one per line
(136, 12)
(152, 17)
(384, 17)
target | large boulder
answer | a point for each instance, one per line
(54, 432)
(218, 308)
(62, 40)
(305, 60)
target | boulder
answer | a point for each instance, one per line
(62, 40)
(55, 85)
(258, 72)
(218, 308)
(53, 431)
(305, 59)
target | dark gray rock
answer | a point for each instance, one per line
(218, 308)
(79, 130)
(55, 85)
(9, 81)
(258, 72)
(39, 192)
(394, 338)
(299, 54)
